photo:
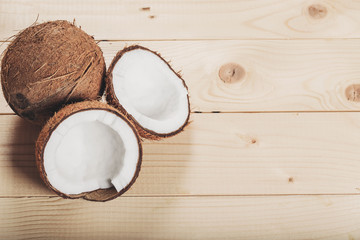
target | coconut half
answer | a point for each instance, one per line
(49, 65)
(89, 150)
(142, 85)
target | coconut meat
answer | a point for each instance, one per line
(92, 149)
(150, 91)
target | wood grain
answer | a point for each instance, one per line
(220, 154)
(280, 75)
(282, 218)
(140, 19)
(258, 169)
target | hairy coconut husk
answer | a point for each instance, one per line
(49, 65)
(101, 195)
(112, 99)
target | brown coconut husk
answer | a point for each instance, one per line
(113, 100)
(49, 65)
(100, 195)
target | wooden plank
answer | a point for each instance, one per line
(220, 154)
(281, 75)
(4, 107)
(191, 19)
(290, 217)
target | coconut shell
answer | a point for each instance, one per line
(113, 100)
(49, 65)
(100, 195)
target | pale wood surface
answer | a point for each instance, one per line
(287, 170)
(189, 19)
(220, 154)
(280, 75)
(281, 218)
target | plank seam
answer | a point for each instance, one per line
(206, 196)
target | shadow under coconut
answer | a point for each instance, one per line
(162, 182)
(22, 157)
(164, 165)
(163, 170)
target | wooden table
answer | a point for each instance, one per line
(272, 152)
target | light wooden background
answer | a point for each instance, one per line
(275, 155)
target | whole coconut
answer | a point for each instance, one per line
(49, 65)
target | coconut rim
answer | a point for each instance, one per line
(42, 146)
(113, 100)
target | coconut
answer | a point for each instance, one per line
(49, 65)
(89, 150)
(144, 87)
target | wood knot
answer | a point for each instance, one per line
(352, 93)
(291, 180)
(231, 72)
(317, 11)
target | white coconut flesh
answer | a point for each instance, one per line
(90, 150)
(150, 91)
